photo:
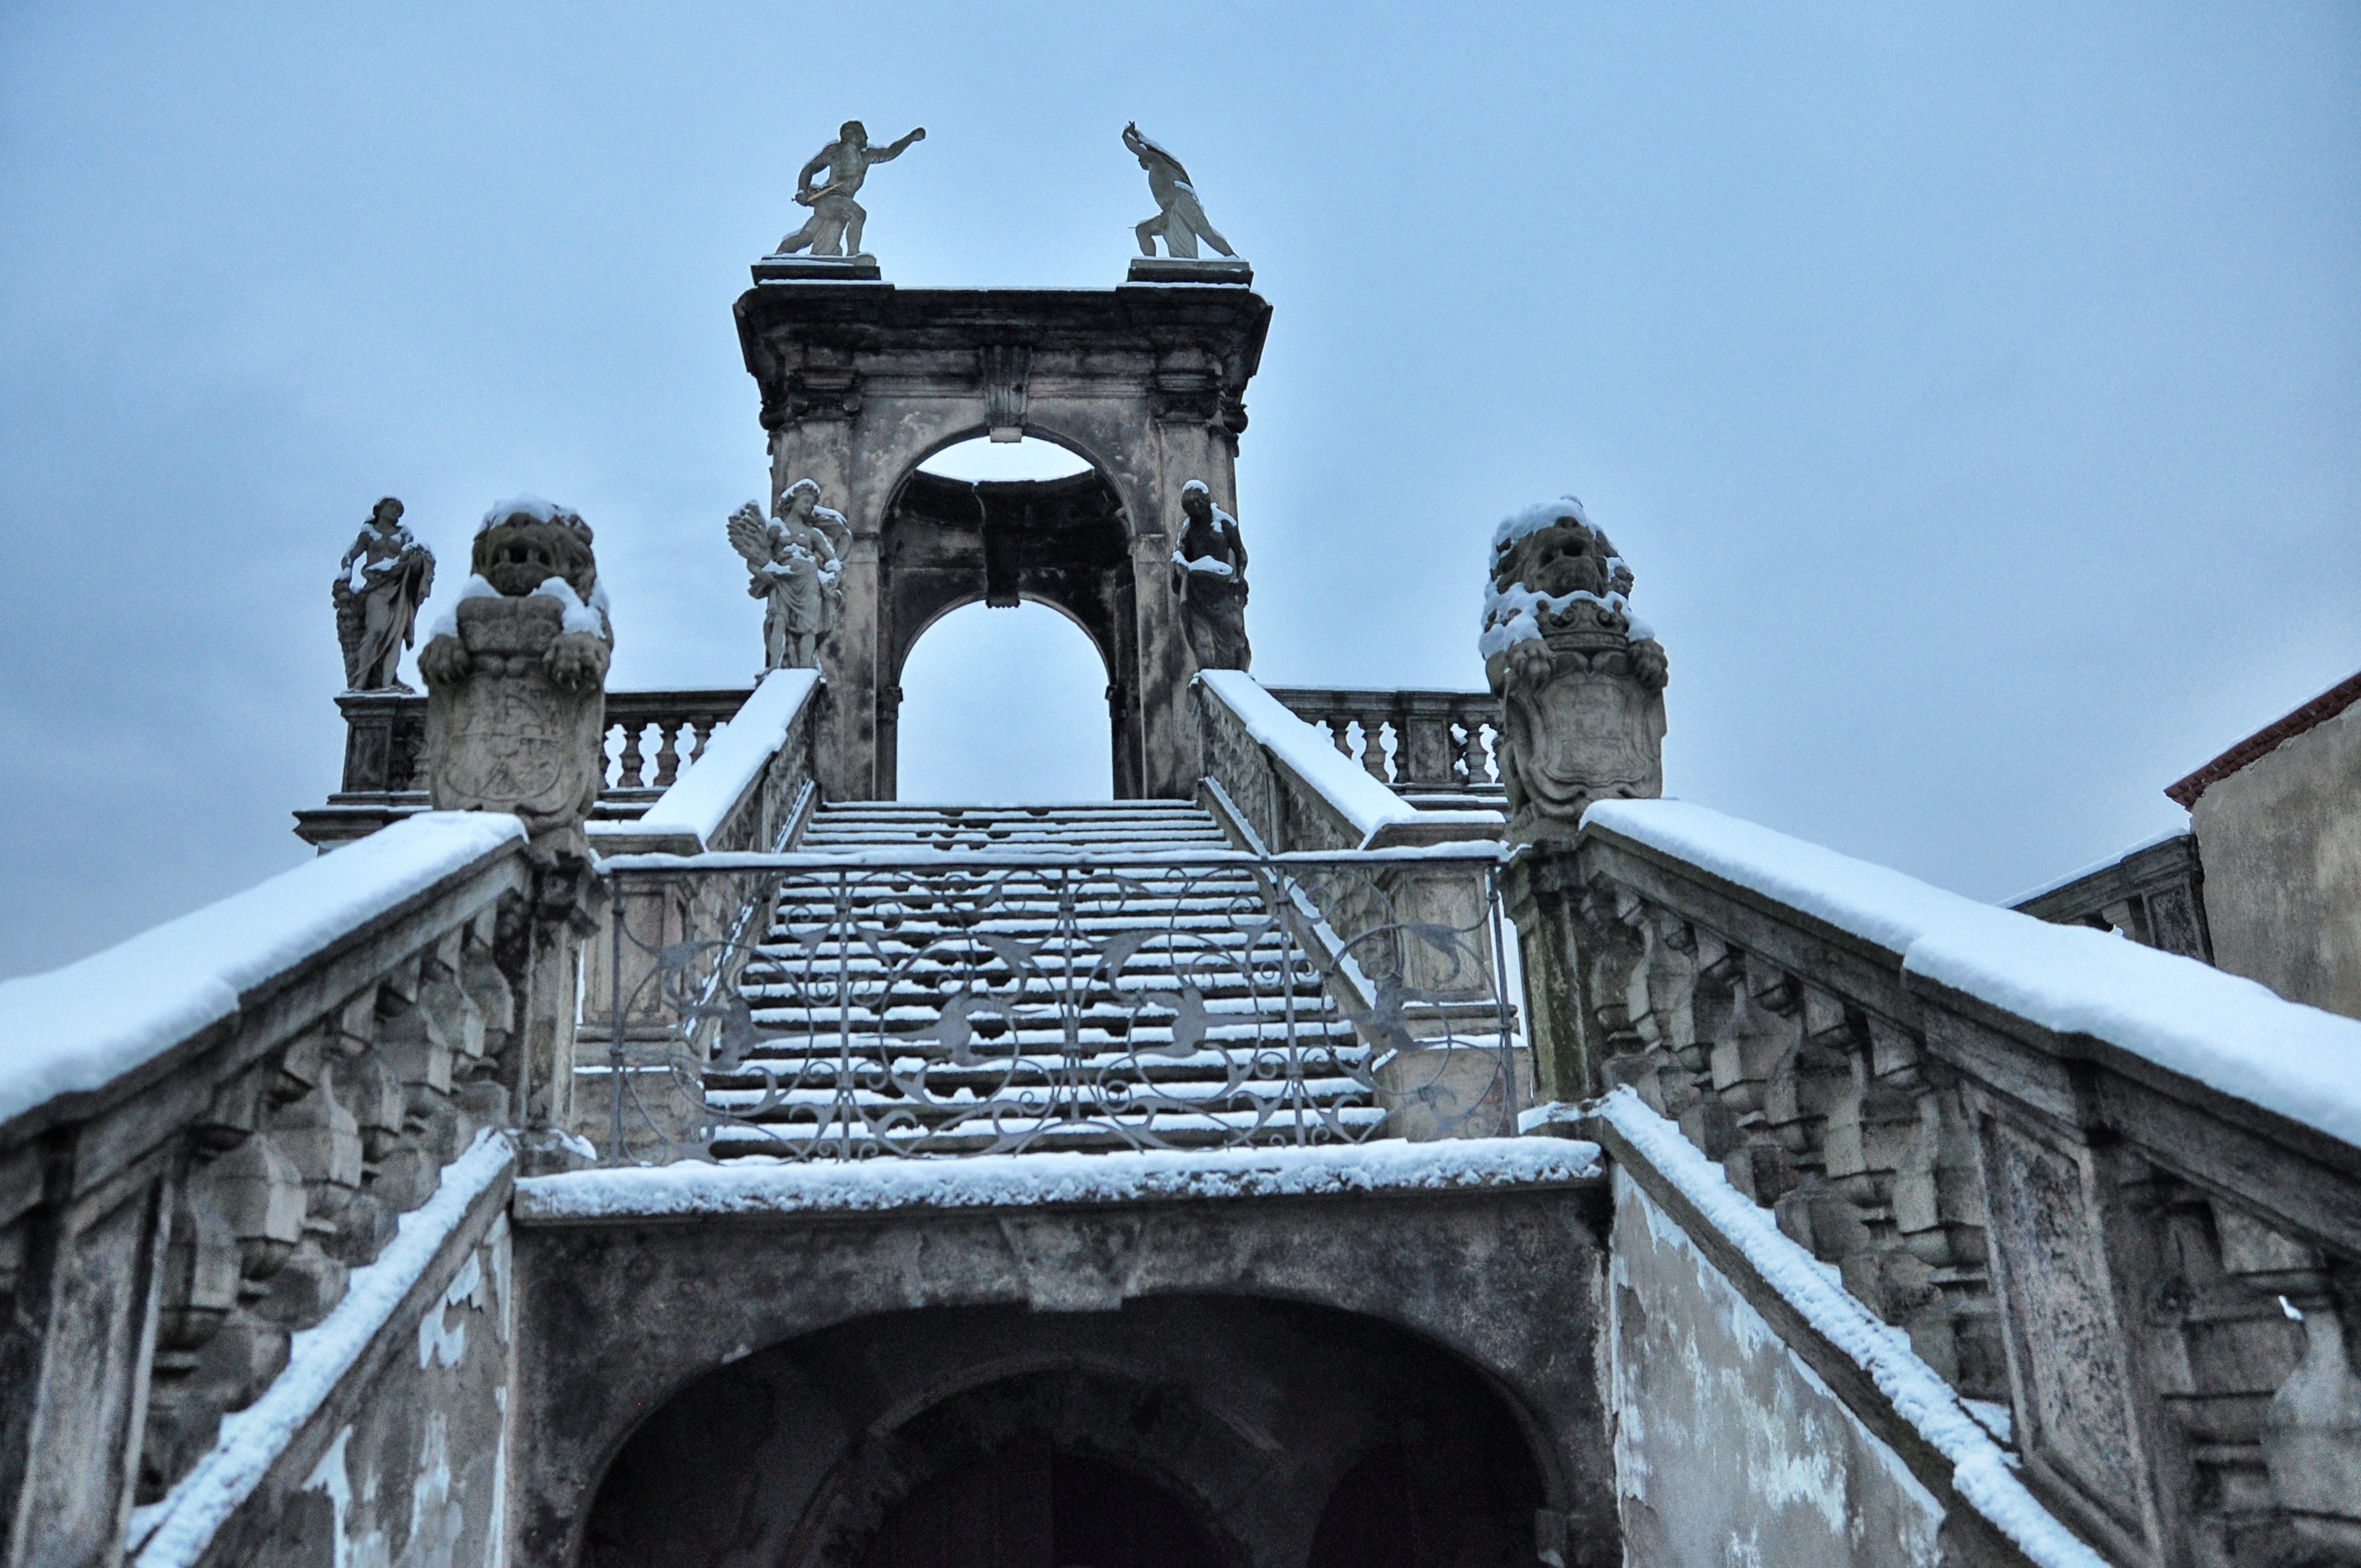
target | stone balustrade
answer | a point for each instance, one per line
(650, 736)
(206, 1130)
(1419, 741)
(2154, 894)
(2110, 1191)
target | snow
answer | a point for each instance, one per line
(532, 507)
(994, 1181)
(1980, 1473)
(592, 617)
(177, 1529)
(701, 799)
(1342, 783)
(904, 856)
(445, 621)
(2054, 884)
(2228, 1033)
(75, 1028)
(1513, 614)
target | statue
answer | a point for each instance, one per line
(1209, 573)
(1581, 683)
(834, 227)
(1179, 217)
(797, 566)
(379, 585)
(516, 671)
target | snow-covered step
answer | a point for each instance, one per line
(1209, 1028)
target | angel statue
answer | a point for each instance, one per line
(1179, 217)
(379, 585)
(797, 565)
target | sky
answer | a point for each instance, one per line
(1974, 390)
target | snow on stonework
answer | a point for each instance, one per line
(532, 507)
(2225, 1032)
(77, 1029)
(1982, 1472)
(1514, 610)
(445, 621)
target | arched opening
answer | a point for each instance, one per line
(1177, 1433)
(983, 458)
(993, 712)
(1002, 707)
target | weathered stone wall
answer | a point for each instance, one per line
(1728, 1447)
(2281, 843)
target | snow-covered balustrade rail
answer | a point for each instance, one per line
(651, 736)
(206, 1131)
(2111, 1190)
(1279, 784)
(749, 789)
(1419, 741)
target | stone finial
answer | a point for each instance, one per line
(1581, 681)
(795, 563)
(834, 226)
(516, 671)
(1179, 216)
(1209, 573)
(379, 585)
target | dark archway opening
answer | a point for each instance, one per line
(1062, 543)
(1027, 1502)
(1177, 1433)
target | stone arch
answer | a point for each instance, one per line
(947, 543)
(861, 382)
(1253, 1414)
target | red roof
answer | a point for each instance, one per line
(2268, 738)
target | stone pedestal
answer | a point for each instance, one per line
(508, 737)
(817, 269)
(1186, 269)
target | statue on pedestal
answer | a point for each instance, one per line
(516, 671)
(1179, 216)
(1209, 573)
(834, 226)
(796, 562)
(1581, 682)
(379, 585)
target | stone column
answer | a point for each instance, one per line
(516, 722)
(1581, 683)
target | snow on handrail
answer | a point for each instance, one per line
(709, 789)
(1310, 753)
(2230, 1033)
(75, 1028)
(1980, 1472)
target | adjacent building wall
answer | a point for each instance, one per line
(1729, 1449)
(2281, 843)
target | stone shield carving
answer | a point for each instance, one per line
(1581, 683)
(511, 737)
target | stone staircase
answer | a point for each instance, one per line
(1117, 961)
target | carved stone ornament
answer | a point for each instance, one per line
(795, 566)
(516, 670)
(379, 585)
(1209, 573)
(1581, 682)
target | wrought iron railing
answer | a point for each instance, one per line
(942, 1004)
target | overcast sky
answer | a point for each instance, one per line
(1976, 391)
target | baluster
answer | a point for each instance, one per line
(706, 724)
(1339, 726)
(631, 761)
(668, 753)
(1373, 746)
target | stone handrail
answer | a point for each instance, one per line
(385, 755)
(1442, 741)
(750, 789)
(210, 1132)
(2109, 1191)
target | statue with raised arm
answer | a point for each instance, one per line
(1209, 573)
(1179, 217)
(379, 585)
(797, 564)
(834, 226)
